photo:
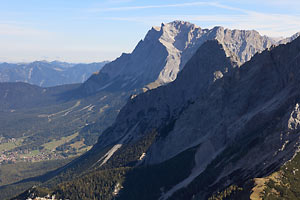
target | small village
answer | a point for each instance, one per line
(9, 157)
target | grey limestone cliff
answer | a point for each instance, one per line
(165, 50)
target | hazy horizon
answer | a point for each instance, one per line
(93, 31)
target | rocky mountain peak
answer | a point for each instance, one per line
(213, 120)
(178, 33)
(162, 54)
(178, 23)
(288, 39)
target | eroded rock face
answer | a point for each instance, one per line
(165, 50)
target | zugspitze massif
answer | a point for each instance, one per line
(165, 50)
(191, 113)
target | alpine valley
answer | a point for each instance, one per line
(191, 113)
(47, 74)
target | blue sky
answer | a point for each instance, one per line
(89, 31)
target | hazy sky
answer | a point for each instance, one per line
(89, 31)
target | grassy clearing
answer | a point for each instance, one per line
(78, 145)
(260, 185)
(31, 154)
(55, 143)
(10, 145)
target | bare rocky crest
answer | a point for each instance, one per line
(165, 50)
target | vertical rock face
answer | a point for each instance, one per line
(158, 58)
(243, 43)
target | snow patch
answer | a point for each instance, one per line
(58, 69)
(142, 156)
(30, 73)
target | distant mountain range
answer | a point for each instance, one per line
(209, 111)
(47, 74)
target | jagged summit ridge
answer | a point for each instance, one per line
(165, 50)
